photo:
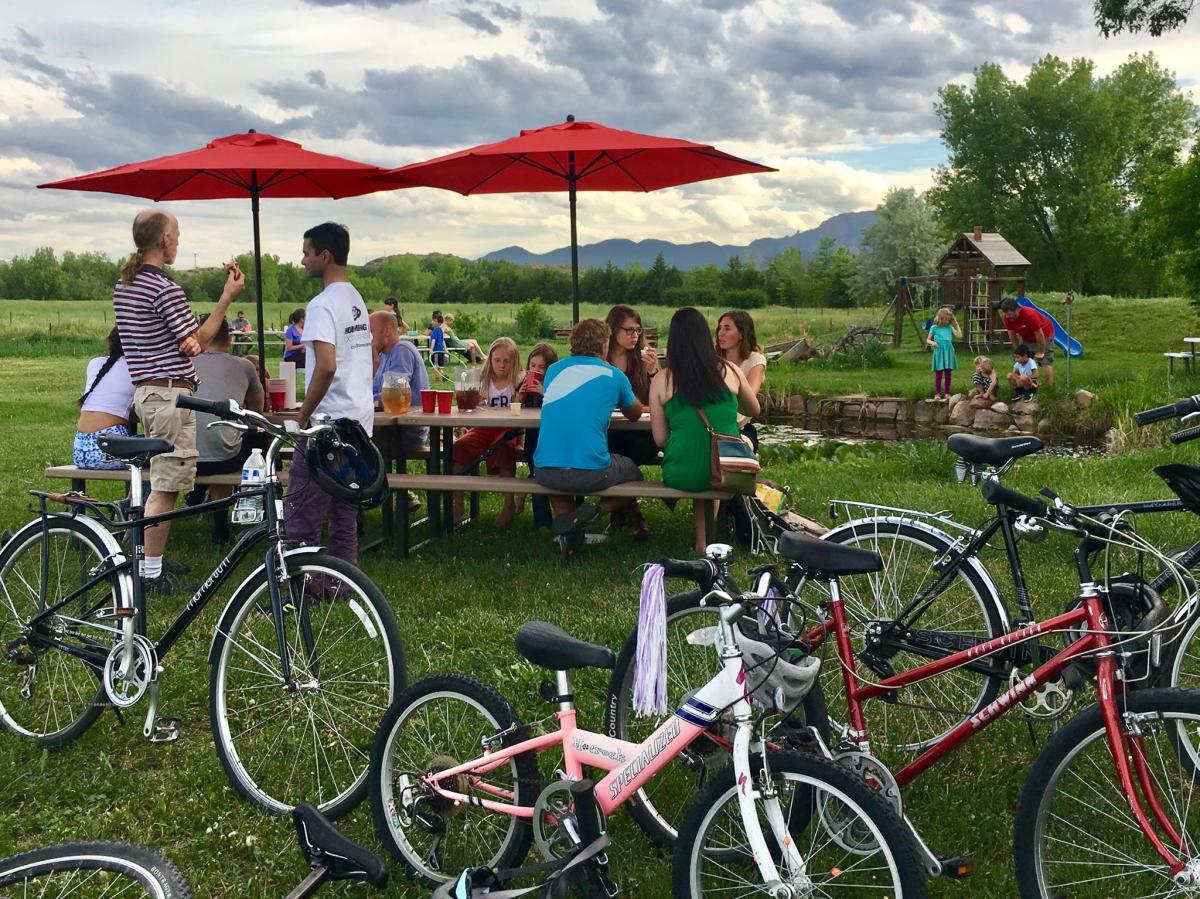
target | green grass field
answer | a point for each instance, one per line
(460, 601)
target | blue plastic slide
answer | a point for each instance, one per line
(1071, 345)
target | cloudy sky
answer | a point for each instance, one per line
(838, 95)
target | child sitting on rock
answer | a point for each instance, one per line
(983, 394)
(1023, 379)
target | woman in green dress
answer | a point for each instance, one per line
(695, 378)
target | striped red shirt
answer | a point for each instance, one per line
(153, 315)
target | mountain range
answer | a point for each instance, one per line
(845, 228)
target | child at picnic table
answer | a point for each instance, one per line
(529, 395)
(498, 381)
(941, 338)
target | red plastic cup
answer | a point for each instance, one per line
(278, 400)
(443, 401)
(428, 400)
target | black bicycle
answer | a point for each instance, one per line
(99, 870)
(305, 658)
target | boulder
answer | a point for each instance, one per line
(989, 420)
(1084, 398)
(955, 400)
(963, 415)
(1044, 427)
(1027, 423)
(1000, 408)
(796, 404)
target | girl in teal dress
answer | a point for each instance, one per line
(941, 338)
(695, 377)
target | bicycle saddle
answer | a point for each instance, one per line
(324, 846)
(992, 450)
(824, 560)
(134, 448)
(551, 647)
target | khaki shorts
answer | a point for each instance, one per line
(172, 472)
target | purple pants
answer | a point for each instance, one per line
(947, 373)
(306, 507)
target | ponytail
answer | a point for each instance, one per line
(149, 229)
(115, 352)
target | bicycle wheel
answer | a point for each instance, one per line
(967, 606)
(90, 871)
(1075, 835)
(47, 694)
(439, 723)
(308, 740)
(850, 841)
(659, 806)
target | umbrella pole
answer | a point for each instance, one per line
(571, 178)
(262, 344)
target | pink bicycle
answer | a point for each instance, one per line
(455, 781)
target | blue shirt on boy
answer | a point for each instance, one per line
(437, 339)
(581, 393)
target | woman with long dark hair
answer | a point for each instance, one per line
(104, 406)
(737, 342)
(696, 378)
(628, 352)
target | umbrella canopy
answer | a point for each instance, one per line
(250, 165)
(574, 156)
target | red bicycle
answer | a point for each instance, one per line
(1107, 808)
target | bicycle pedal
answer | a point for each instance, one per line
(956, 867)
(165, 730)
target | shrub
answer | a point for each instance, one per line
(745, 298)
(871, 354)
(533, 322)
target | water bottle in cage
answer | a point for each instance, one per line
(249, 509)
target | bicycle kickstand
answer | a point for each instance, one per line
(156, 729)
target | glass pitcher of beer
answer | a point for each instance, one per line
(396, 394)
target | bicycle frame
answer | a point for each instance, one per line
(630, 765)
(1127, 752)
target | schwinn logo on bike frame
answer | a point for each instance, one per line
(1023, 688)
(645, 757)
(1007, 640)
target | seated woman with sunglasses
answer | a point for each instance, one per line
(628, 352)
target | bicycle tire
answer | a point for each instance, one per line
(1107, 820)
(91, 869)
(829, 791)
(393, 761)
(254, 749)
(950, 698)
(675, 785)
(71, 691)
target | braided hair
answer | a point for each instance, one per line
(115, 352)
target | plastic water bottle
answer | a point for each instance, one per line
(249, 509)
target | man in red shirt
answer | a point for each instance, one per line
(1030, 327)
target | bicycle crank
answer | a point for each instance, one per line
(554, 830)
(840, 822)
(124, 688)
(1048, 702)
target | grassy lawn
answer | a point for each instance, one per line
(458, 604)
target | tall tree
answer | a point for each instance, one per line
(1058, 163)
(903, 240)
(1155, 16)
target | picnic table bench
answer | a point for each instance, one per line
(1187, 357)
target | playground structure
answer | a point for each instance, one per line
(973, 275)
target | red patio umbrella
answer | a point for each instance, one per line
(574, 156)
(250, 165)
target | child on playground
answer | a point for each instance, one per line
(1023, 379)
(498, 381)
(985, 382)
(530, 393)
(941, 338)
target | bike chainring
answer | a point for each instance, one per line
(124, 691)
(554, 808)
(840, 822)
(1048, 702)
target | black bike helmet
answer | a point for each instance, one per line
(347, 465)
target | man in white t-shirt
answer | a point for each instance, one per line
(338, 372)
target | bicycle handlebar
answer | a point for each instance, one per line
(999, 495)
(699, 571)
(1185, 435)
(1185, 406)
(216, 408)
(228, 410)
